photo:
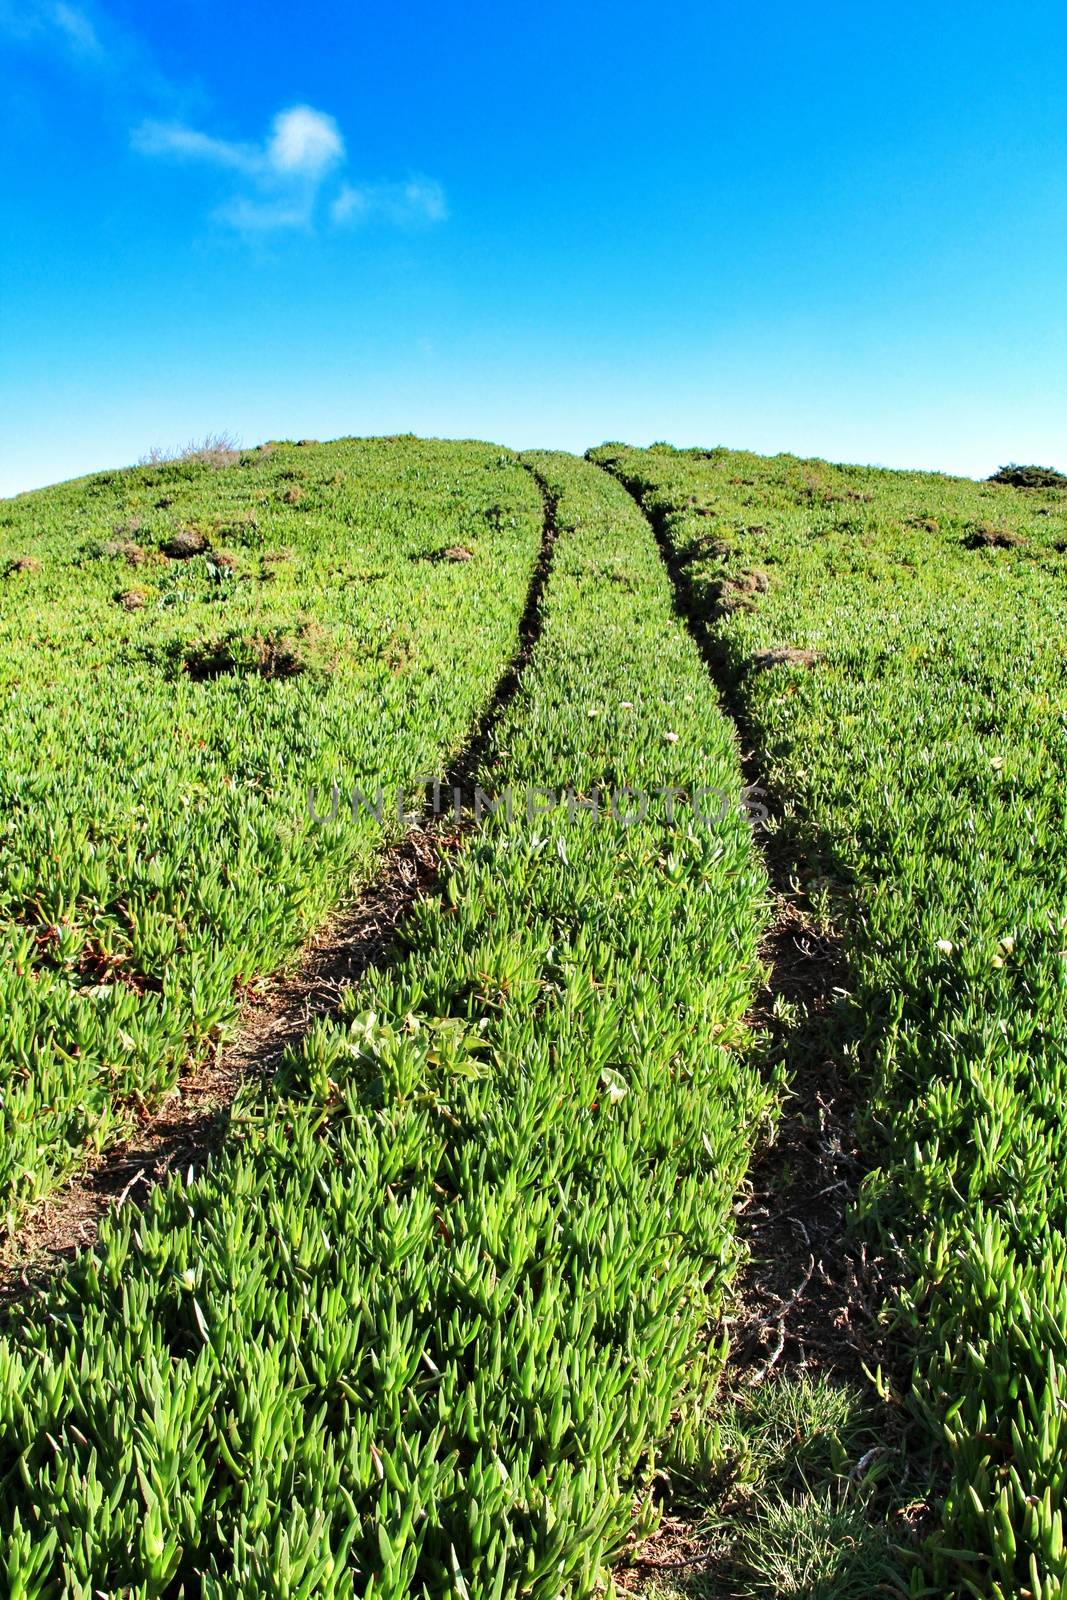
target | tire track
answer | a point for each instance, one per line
(195, 1117)
(808, 1295)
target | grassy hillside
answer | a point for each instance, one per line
(184, 650)
(421, 1327)
(449, 1313)
(896, 645)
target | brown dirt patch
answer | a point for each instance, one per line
(808, 1296)
(783, 655)
(986, 537)
(678, 1546)
(185, 543)
(735, 594)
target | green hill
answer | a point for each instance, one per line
(718, 1064)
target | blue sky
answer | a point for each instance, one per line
(833, 229)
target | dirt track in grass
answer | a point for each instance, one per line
(808, 1296)
(192, 1121)
(806, 1302)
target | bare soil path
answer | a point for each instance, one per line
(193, 1119)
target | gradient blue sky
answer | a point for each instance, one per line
(836, 229)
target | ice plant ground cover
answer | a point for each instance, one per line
(897, 646)
(447, 1313)
(184, 649)
(420, 1327)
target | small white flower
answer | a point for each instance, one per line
(997, 763)
(671, 738)
(945, 946)
(1006, 945)
(614, 1085)
(626, 705)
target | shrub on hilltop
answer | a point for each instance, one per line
(1029, 477)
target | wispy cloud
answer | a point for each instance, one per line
(153, 138)
(95, 43)
(415, 200)
(287, 173)
(76, 28)
(265, 216)
(70, 26)
(284, 181)
(302, 146)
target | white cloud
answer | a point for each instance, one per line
(304, 142)
(286, 180)
(287, 170)
(415, 200)
(287, 173)
(175, 139)
(303, 145)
